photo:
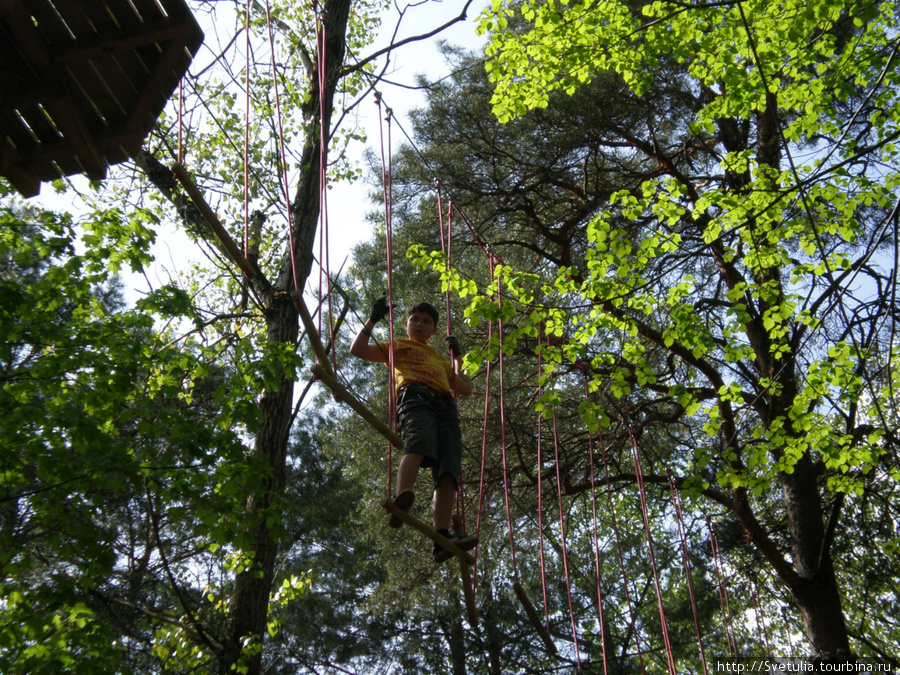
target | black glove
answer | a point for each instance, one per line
(453, 346)
(380, 309)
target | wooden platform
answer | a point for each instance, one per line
(82, 82)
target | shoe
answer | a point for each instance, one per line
(441, 554)
(404, 501)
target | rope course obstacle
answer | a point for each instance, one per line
(61, 62)
(649, 642)
(82, 83)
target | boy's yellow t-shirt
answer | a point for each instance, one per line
(418, 362)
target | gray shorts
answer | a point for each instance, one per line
(430, 428)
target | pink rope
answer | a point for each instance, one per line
(723, 590)
(540, 463)
(474, 234)
(282, 153)
(388, 214)
(685, 553)
(760, 624)
(642, 492)
(512, 543)
(180, 122)
(562, 533)
(612, 513)
(247, 137)
(596, 538)
(484, 428)
(324, 255)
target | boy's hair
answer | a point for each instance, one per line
(424, 308)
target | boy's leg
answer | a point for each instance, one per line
(407, 471)
(443, 501)
(406, 478)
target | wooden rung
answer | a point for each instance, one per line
(534, 617)
(213, 220)
(428, 531)
(311, 330)
(342, 394)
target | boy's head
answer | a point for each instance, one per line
(424, 308)
(421, 321)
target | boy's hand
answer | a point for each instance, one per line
(380, 309)
(453, 346)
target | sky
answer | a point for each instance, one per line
(347, 203)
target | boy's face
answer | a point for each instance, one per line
(420, 327)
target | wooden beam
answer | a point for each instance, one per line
(534, 617)
(311, 331)
(161, 82)
(428, 531)
(100, 45)
(342, 394)
(212, 220)
(66, 118)
(17, 173)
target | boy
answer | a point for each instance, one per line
(425, 384)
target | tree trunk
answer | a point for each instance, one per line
(248, 608)
(816, 592)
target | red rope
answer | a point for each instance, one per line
(595, 529)
(627, 592)
(475, 236)
(247, 137)
(685, 553)
(723, 590)
(562, 532)
(282, 153)
(324, 256)
(388, 214)
(540, 464)
(460, 501)
(784, 615)
(512, 543)
(760, 623)
(642, 492)
(484, 428)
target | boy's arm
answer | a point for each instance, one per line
(462, 383)
(362, 348)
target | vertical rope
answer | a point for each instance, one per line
(540, 465)
(247, 135)
(562, 533)
(595, 536)
(484, 430)
(324, 255)
(723, 589)
(642, 492)
(460, 501)
(282, 153)
(760, 623)
(181, 121)
(685, 553)
(388, 214)
(625, 589)
(512, 543)
(787, 625)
